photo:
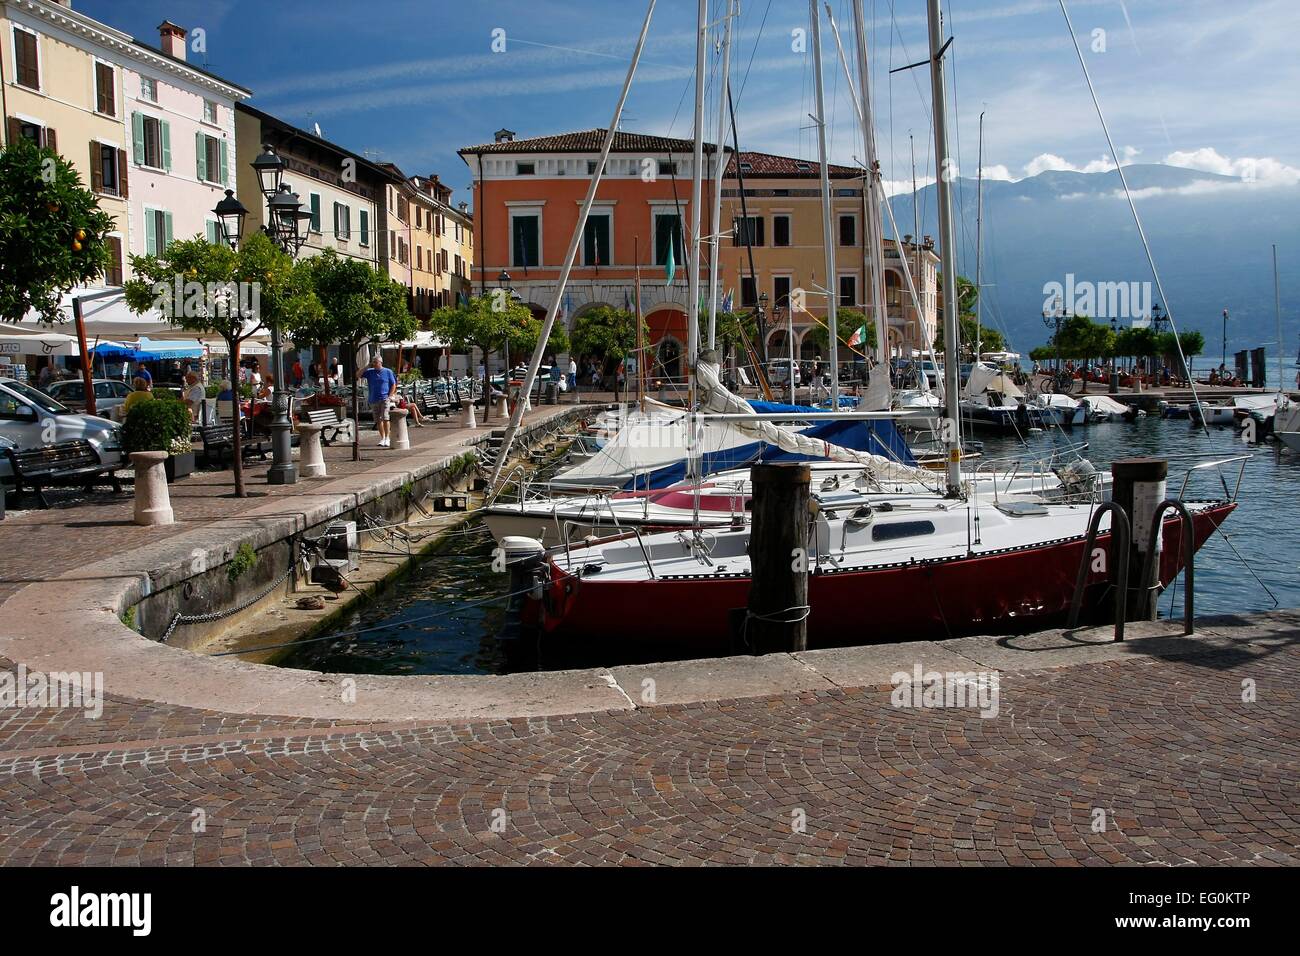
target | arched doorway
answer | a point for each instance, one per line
(668, 358)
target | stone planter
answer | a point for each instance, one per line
(178, 466)
(153, 505)
(311, 458)
(397, 429)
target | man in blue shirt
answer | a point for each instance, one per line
(383, 386)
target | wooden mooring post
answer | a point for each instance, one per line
(1139, 487)
(776, 616)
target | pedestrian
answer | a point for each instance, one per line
(46, 374)
(143, 391)
(382, 387)
(573, 375)
(143, 372)
(194, 396)
(297, 373)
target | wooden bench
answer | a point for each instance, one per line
(63, 463)
(328, 418)
(219, 439)
(429, 405)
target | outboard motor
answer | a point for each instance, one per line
(1078, 478)
(525, 560)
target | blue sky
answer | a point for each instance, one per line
(1199, 83)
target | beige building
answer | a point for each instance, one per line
(782, 200)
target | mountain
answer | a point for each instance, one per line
(1210, 236)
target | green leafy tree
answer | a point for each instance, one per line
(610, 333)
(53, 235)
(215, 290)
(360, 307)
(481, 323)
(990, 339)
(1193, 343)
(847, 322)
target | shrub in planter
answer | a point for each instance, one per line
(155, 424)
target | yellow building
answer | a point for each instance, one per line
(782, 200)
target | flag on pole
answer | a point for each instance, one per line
(670, 267)
(858, 336)
(727, 300)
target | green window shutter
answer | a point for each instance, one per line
(167, 219)
(315, 212)
(166, 129)
(212, 232)
(365, 227)
(225, 178)
(137, 138)
(201, 156)
(150, 232)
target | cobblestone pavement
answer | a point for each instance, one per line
(1165, 751)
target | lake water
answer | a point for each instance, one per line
(423, 623)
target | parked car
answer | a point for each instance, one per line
(778, 373)
(30, 418)
(109, 393)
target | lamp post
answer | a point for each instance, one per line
(1223, 366)
(1053, 320)
(1113, 386)
(285, 225)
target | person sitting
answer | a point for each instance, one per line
(194, 396)
(143, 390)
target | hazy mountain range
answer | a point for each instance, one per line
(1210, 235)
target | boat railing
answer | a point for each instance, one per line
(1217, 464)
(1120, 540)
(1189, 556)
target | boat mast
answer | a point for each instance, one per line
(979, 247)
(948, 245)
(1277, 309)
(828, 235)
(640, 337)
(574, 242)
(874, 260)
(697, 186)
(719, 168)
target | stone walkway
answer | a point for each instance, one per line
(1139, 760)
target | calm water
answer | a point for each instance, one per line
(452, 638)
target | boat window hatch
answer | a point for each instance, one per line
(901, 529)
(1020, 509)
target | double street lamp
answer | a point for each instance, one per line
(1114, 338)
(286, 226)
(1053, 321)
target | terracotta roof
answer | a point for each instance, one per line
(769, 166)
(589, 141)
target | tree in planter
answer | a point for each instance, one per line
(521, 341)
(481, 324)
(158, 424)
(53, 235)
(359, 307)
(215, 290)
(608, 333)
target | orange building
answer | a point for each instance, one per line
(528, 194)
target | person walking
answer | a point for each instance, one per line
(382, 387)
(573, 377)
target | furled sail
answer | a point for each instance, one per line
(718, 400)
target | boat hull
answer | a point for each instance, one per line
(1010, 592)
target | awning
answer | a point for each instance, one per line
(151, 349)
(17, 340)
(423, 340)
(246, 347)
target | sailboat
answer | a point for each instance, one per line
(926, 565)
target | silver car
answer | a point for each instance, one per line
(30, 418)
(109, 393)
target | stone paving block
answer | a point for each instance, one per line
(679, 682)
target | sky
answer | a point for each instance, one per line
(1198, 83)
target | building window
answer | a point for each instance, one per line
(524, 240)
(105, 98)
(748, 292)
(342, 222)
(113, 271)
(525, 169)
(364, 225)
(781, 291)
(210, 153)
(157, 231)
(893, 288)
(848, 292)
(595, 241)
(313, 202)
(210, 112)
(668, 233)
(591, 168)
(748, 231)
(152, 139)
(27, 70)
(667, 168)
(848, 230)
(107, 169)
(34, 132)
(401, 250)
(148, 89)
(780, 230)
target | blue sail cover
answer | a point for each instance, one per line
(876, 437)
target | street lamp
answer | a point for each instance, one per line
(286, 226)
(1053, 320)
(1223, 366)
(1114, 379)
(1157, 316)
(230, 213)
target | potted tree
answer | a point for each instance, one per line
(161, 424)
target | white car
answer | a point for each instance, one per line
(29, 418)
(109, 393)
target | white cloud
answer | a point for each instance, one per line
(1050, 161)
(998, 173)
(1248, 169)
